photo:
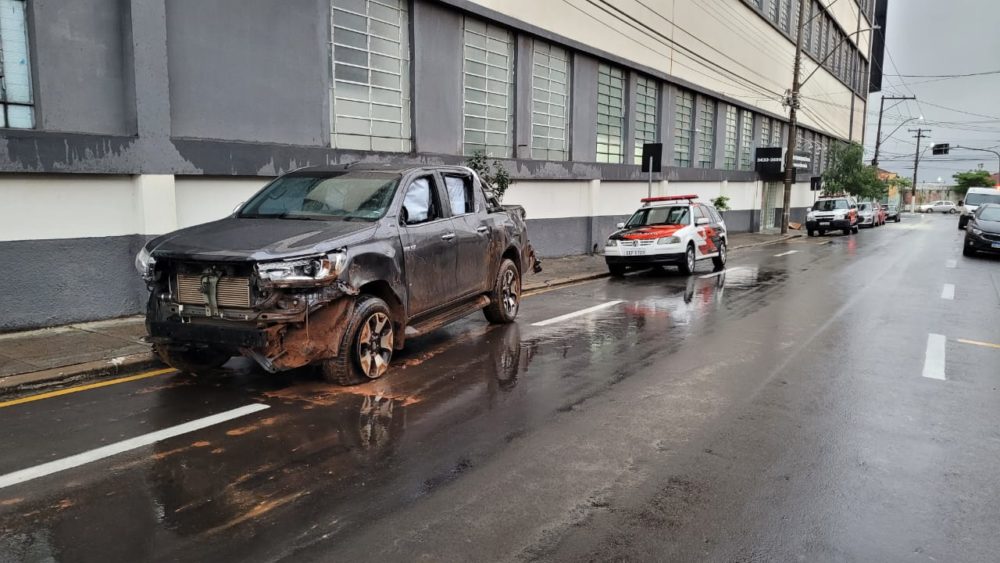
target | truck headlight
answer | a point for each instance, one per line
(303, 271)
(810, 217)
(145, 264)
(976, 231)
(840, 216)
(610, 243)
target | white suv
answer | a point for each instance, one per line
(973, 199)
(669, 230)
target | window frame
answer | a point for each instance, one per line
(549, 115)
(609, 156)
(508, 82)
(642, 134)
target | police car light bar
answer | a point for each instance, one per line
(669, 198)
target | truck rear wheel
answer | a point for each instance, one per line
(505, 299)
(196, 361)
(366, 348)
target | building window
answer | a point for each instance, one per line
(549, 102)
(15, 84)
(816, 35)
(489, 89)
(683, 128)
(777, 134)
(746, 140)
(773, 7)
(765, 131)
(783, 15)
(371, 71)
(706, 128)
(646, 90)
(610, 114)
(732, 128)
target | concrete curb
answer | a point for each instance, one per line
(98, 369)
(531, 288)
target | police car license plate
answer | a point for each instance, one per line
(824, 223)
(640, 252)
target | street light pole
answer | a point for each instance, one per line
(793, 105)
(997, 153)
(878, 134)
(916, 165)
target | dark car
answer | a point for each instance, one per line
(335, 266)
(982, 233)
(892, 213)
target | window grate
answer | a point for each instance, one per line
(706, 128)
(610, 114)
(549, 102)
(646, 90)
(371, 71)
(746, 140)
(15, 82)
(732, 127)
(683, 128)
(488, 81)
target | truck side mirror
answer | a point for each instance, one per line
(620, 226)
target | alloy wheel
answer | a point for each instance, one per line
(690, 258)
(375, 345)
(509, 292)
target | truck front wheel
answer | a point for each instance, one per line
(366, 348)
(505, 299)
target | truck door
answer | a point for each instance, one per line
(472, 234)
(429, 249)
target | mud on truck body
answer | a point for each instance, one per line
(335, 266)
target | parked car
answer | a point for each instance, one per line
(939, 207)
(335, 266)
(670, 230)
(973, 199)
(892, 213)
(869, 214)
(982, 234)
(833, 213)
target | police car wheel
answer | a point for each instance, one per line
(689, 261)
(720, 261)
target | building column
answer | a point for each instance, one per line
(522, 96)
(156, 203)
(628, 110)
(719, 158)
(668, 124)
(583, 118)
(146, 38)
(594, 191)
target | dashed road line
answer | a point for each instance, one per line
(579, 313)
(934, 357)
(789, 253)
(948, 292)
(109, 450)
(951, 264)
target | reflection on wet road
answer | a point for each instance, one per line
(568, 411)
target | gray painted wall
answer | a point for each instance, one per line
(250, 70)
(82, 73)
(437, 72)
(69, 280)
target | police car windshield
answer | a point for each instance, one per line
(677, 215)
(980, 199)
(830, 204)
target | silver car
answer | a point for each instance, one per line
(939, 207)
(868, 215)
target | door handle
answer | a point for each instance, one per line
(448, 236)
(483, 230)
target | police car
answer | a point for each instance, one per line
(671, 231)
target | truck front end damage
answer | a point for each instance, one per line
(282, 314)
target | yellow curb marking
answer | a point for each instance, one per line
(60, 392)
(977, 343)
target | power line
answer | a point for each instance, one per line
(945, 75)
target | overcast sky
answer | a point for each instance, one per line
(936, 37)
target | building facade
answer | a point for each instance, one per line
(124, 119)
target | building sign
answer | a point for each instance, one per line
(652, 157)
(770, 162)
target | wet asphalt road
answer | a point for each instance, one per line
(777, 412)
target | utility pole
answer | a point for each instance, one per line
(878, 134)
(916, 165)
(793, 105)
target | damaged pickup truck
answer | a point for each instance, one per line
(335, 266)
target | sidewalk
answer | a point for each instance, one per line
(59, 355)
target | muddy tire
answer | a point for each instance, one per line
(366, 347)
(195, 361)
(687, 267)
(505, 299)
(719, 262)
(616, 270)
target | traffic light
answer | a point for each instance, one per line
(941, 148)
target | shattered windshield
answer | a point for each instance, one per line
(351, 196)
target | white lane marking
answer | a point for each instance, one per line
(948, 292)
(934, 357)
(124, 446)
(586, 311)
(790, 252)
(720, 272)
(951, 264)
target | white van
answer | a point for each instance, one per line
(973, 199)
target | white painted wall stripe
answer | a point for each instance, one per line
(934, 357)
(948, 291)
(580, 313)
(84, 458)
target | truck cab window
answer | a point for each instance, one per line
(419, 201)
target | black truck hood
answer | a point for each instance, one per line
(237, 239)
(992, 227)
